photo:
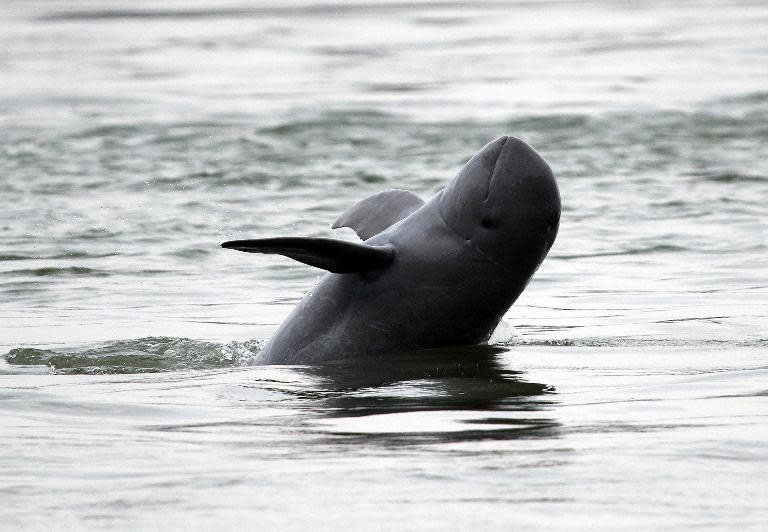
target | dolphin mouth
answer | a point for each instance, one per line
(474, 248)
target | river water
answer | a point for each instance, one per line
(627, 389)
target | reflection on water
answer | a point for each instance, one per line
(470, 394)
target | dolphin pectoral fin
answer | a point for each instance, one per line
(370, 216)
(336, 256)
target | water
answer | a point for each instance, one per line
(627, 386)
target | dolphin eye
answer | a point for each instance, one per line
(487, 223)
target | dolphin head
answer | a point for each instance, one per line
(506, 205)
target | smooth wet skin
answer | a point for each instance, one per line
(443, 275)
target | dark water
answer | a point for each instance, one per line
(627, 388)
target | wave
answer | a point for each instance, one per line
(626, 341)
(309, 9)
(56, 256)
(144, 355)
(52, 271)
(649, 250)
(729, 177)
(162, 354)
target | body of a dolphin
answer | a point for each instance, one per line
(428, 274)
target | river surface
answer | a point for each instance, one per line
(627, 389)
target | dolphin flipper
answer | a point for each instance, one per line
(336, 256)
(370, 216)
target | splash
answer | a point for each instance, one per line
(145, 355)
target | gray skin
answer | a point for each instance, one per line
(460, 261)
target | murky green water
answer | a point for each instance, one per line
(628, 387)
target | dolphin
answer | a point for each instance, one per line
(427, 274)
